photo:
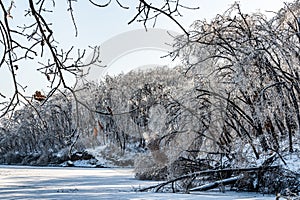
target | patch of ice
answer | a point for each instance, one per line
(21, 182)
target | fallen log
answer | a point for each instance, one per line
(216, 184)
(207, 172)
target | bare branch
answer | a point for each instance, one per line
(100, 5)
(121, 5)
(70, 9)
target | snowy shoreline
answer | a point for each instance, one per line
(29, 182)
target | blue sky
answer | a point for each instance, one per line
(97, 25)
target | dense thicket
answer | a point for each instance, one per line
(35, 135)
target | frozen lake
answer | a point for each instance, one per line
(22, 182)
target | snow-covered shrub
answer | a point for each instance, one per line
(147, 169)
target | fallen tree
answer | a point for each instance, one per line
(191, 179)
(216, 184)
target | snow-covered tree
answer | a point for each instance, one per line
(246, 72)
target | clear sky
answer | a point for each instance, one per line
(98, 25)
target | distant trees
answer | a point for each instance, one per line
(126, 112)
(37, 135)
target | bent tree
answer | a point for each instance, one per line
(246, 73)
(248, 67)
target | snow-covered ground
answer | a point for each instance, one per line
(22, 182)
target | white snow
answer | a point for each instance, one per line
(22, 182)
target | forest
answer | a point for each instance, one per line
(227, 118)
